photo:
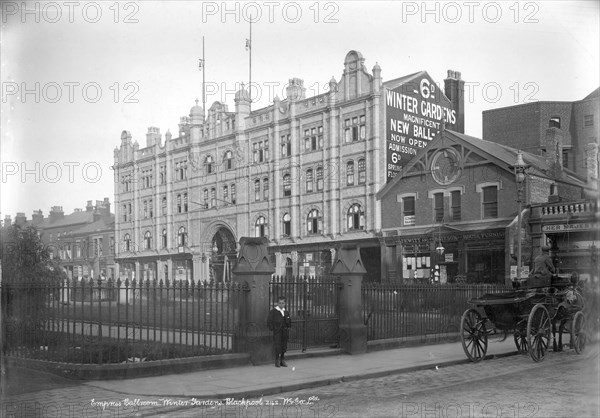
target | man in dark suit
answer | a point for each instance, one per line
(279, 322)
(542, 264)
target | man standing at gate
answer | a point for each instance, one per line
(279, 322)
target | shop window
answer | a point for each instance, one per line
(314, 223)
(287, 185)
(490, 202)
(438, 207)
(455, 203)
(356, 217)
(260, 227)
(287, 225)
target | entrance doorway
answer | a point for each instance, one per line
(224, 254)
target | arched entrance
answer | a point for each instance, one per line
(224, 254)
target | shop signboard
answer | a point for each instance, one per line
(568, 227)
(415, 112)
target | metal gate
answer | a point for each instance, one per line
(313, 305)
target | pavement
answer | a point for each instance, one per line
(161, 394)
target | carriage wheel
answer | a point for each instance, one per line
(577, 332)
(473, 334)
(521, 341)
(538, 332)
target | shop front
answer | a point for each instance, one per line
(571, 232)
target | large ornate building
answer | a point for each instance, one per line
(303, 172)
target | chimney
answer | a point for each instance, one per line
(554, 152)
(56, 213)
(20, 219)
(89, 207)
(591, 156)
(37, 217)
(153, 136)
(454, 88)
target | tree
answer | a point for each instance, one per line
(30, 278)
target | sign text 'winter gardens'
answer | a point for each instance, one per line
(415, 111)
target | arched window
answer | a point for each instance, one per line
(145, 208)
(350, 173)
(226, 193)
(362, 171)
(127, 242)
(185, 202)
(356, 217)
(287, 185)
(260, 226)
(205, 195)
(257, 190)
(213, 197)
(314, 224)
(233, 195)
(151, 208)
(287, 225)
(209, 164)
(309, 180)
(148, 240)
(181, 237)
(164, 238)
(178, 203)
(163, 206)
(319, 178)
(266, 188)
(228, 160)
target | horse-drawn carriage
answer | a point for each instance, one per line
(531, 312)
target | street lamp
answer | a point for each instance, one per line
(520, 169)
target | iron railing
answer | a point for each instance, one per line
(421, 311)
(120, 321)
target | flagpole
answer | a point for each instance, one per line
(250, 75)
(203, 81)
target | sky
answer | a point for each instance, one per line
(76, 74)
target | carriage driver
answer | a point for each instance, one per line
(542, 264)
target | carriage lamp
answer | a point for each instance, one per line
(520, 169)
(440, 249)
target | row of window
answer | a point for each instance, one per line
(148, 242)
(355, 220)
(71, 250)
(489, 207)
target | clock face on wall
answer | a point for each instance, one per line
(445, 167)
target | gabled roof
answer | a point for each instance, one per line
(593, 95)
(504, 156)
(406, 78)
(74, 218)
(100, 225)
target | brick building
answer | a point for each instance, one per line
(450, 215)
(303, 172)
(83, 241)
(526, 127)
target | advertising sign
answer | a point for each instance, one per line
(415, 111)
